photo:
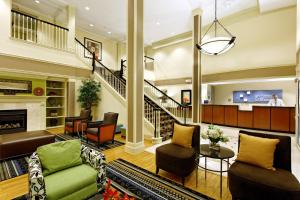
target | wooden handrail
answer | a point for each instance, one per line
(97, 60)
(14, 11)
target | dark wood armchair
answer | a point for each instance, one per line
(247, 182)
(74, 124)
(102, 131)
(177, 159)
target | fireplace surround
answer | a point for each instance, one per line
(12, 121)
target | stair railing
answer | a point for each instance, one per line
(117, 83)
(89, 58)
(162, 99)
(31, 29)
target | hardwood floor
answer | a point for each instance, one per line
(18, 186)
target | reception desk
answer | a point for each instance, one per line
(281, 119)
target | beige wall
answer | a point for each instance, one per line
(108, 103)
(298, 25)
(263, 40)
(109, 48)
(222, 93)
(174, 91)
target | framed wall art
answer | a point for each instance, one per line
(93, 46)
(186, 97)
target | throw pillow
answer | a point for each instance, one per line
(257, 151)
(183, 135)
(59, 156)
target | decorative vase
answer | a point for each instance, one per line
(214, 146)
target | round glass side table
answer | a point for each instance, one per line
(224, 154)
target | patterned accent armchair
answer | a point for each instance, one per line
(37, 184)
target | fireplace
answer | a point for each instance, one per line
(12, 121)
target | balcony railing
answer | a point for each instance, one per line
(31, 29)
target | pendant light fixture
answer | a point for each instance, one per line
(217, 44)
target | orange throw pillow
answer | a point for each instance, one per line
(257, 151)
(183, 135)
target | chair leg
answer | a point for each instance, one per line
(157, 170)
(113, 141)
(182, 180)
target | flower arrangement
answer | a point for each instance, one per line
(111, 194)
(214, 135)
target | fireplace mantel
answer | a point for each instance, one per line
(22, 98)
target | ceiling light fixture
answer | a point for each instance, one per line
(37, 1)
(91, 25)
(109, 32)
(157, 23)
(87, 8)
(218, 44)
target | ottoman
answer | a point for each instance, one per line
(23, 143)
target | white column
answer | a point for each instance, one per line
(297, 74)
(71, 27)
(135, 77)
(5, 18)
(196, 81)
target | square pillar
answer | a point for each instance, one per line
(71, 27)
(5, 17)
(196, 80)
(135, 76)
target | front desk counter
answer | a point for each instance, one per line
(281, 119)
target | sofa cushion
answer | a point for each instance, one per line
(68, 181)
(183, 135)
(60, 155)
(257, 151)
(279, 180)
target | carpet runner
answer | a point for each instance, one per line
(147, 185)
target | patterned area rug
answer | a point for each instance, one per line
(13, 168)
(147, 185)
(103, 147)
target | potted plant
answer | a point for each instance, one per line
(89, 93)
(214, 135)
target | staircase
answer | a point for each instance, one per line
(161, 114)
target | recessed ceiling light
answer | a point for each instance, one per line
(91, 25)
(87, 8)
(109, 32)
(158, 23)
(37, 1)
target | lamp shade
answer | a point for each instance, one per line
(216, 45)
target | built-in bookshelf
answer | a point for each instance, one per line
(55, 104)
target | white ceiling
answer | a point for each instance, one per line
(163, 18)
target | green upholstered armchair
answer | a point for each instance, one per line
(77, 182)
